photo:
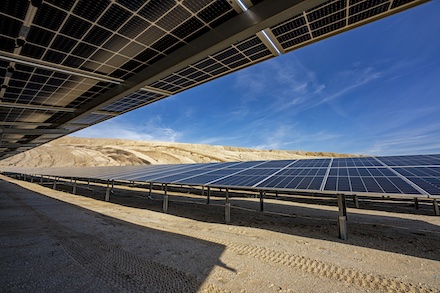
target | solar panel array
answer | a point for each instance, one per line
(412, 176)
(66, 65)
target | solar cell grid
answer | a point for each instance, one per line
(239, 180)
(131, 101)
(199, 180)
(216, 65)
(293, 183)
(257, 172)
(92, 24)
(416, 160)
(343, 183)
(129, 173)
(157, 175)
(36, 86)
(371, 185)
(327, 18)
(357, 185)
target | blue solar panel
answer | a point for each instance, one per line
(311, 163)
(343, 183)
(419, 171)
(417, 160)
(239, 180)
(198, 180)
(372, 180)
(355, 162)
(256, 171)
(275, 164)
(346, 175)
(357, 185)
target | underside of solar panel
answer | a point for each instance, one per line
(66, 65)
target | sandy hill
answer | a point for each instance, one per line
(75, 151)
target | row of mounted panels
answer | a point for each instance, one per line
(414, 176)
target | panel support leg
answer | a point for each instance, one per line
(107, 191)
(261, 201)
(276, 194)
(208, 197)
(436, 209)
(356, 201)
(41, 179)
(151, 189)
(74, 187)
(54, 186)
(165, 200)
(32, 178)
(416, 202)
(227, 208)
(88, 183)
(342, 217)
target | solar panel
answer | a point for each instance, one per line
(88, 56)
(313, 175)
(418, 160)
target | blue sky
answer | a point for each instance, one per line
(372, 90)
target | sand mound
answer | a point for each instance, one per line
(78, 152)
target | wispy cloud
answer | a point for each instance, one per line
(151, 129)
(291, 137)
(276, 138)
(290, 87)
(410, 141)
(278, 84)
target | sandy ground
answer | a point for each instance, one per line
(75, 151)
(54, 241)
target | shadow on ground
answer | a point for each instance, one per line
(388, 233)
(47, 245)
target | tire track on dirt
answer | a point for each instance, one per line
(323, 269)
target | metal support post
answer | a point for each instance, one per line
(74, 187)
(32, 178)
(261, 201)
(356, 201)
(342, 217)
(41, 179)
(436, 209)
(107, 191)
(151, 189)
(208, 197)
(54, 186)
(227, 208)
(165, 200)
(276, 194)
(416, 202)
(24, 177)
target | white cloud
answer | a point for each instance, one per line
(408, 141)
(289, 137)
(152, 129)
(275, 139)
